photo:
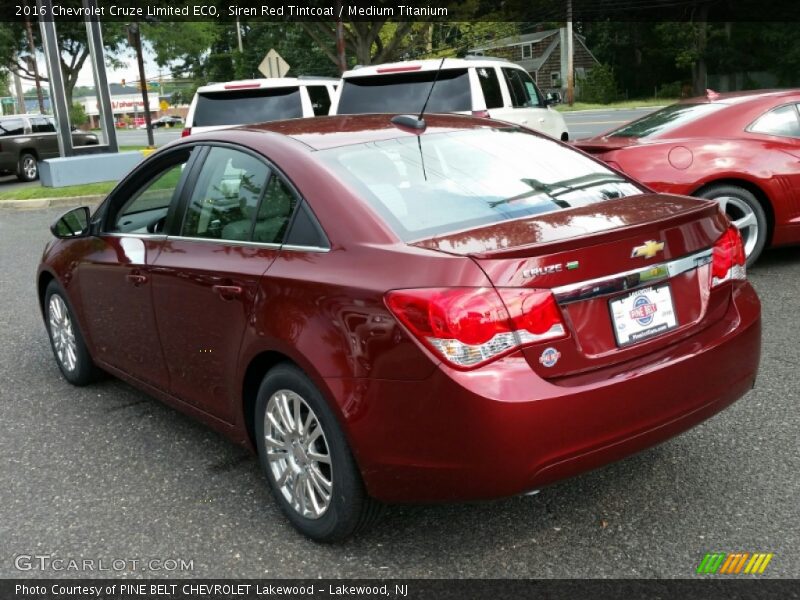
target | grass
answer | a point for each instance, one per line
(32, 192)
(621, 104)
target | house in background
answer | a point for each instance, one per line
(544, 55)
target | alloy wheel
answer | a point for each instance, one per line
(298, 454)
(62, 333)
(29, 167)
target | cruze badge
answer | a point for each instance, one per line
(647, 250)
(546, 270)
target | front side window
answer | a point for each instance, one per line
(405, 92)
(146, 210)
(520, 93)
(12, 127)
(226, 197)
(274, 213)
(440, 183)
(781, 121)
(239, 107)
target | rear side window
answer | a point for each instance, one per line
(490, 86)
(406, 92)
(226, 197)
(12, 127)
(666, 119)
(42, 125)
(241, 107)
(320, 99)
(779, 121)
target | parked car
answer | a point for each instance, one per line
(27, 139)
(456, 311)
(486, 87)
(739, 149)
(221, 105)
(165, 121)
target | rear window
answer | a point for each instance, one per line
(241, 107)
(406, 92)
(665, 119)
(440, 183)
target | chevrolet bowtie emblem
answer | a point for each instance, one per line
(647, 250)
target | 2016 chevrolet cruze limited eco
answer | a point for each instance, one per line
(391, 311)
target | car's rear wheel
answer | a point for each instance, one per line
(745, 211)
(69, 348)
(308, 463)
(27, 167)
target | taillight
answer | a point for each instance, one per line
(728, 258)
(484, 114)
(187, 131)
(469, 327)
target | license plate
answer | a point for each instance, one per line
(643, 314)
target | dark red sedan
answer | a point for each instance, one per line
(740, 149)
(392, 312)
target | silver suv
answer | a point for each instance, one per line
(488, 87)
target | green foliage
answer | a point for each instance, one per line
(77, 115)
(598, 86)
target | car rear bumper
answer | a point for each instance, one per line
(502, 430)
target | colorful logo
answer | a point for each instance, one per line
(643, 310)
(734, 563)
(549, 357)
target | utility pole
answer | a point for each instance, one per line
(570, 56)
(20, 95)
(340, 39)
(135, 39)
(33, 64)
(239, 35)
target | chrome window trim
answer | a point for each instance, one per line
(143, 236)
(266, 245)
(630, 280)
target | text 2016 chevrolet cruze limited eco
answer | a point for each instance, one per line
(389, 312)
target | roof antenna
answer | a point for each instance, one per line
(418, 122)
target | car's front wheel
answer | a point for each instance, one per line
(27, 167)
(745, 211)
(69, 348)
(309, 466)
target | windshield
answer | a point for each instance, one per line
(440, 183)
(665, 119)
(406, 93)
(242, 107)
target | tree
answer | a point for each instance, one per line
(77, 114)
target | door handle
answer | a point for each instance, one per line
(136, 279)
(228, 292)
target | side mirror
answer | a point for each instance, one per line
(72, 224)
(553, 98)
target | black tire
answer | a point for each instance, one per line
(740, 200)
(349, 508)
(27, 167)
(84, 370)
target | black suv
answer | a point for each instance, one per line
(27, 139)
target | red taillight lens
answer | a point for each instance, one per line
(481, 113)
(469, 327)
(728, 258)
(186, 131)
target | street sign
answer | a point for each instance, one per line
(163, 105)
(273, 65)
(7, 100)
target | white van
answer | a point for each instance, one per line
(220, 105)
(474, 85)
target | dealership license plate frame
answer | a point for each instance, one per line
(663, 321)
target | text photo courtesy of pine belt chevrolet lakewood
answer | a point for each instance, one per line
(394, 309)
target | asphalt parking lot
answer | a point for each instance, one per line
(105, 472)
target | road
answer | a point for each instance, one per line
(588, 123)
(106, 472)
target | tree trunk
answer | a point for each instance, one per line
(699, 69)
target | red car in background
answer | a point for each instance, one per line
(740, 149)
(391, 310)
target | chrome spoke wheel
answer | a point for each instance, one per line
(298, 454)
(62, 333)
(742, 215)
(29, 167)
